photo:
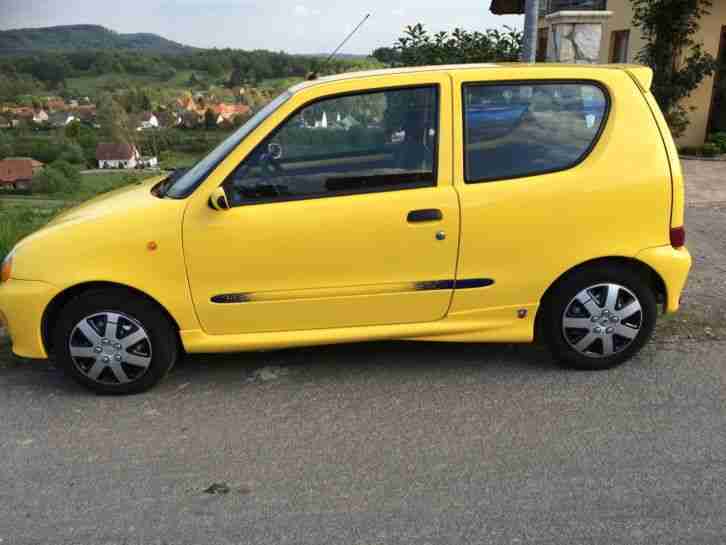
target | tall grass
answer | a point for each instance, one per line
(18, 221)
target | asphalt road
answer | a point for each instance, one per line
(385, 443)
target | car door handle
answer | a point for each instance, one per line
(427, 214)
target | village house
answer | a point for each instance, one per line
(61, 119)
(147, 120)
(227, 112)
(602, 31)
(40, 116)
(17, 172)
(112, 155)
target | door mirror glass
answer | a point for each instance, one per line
(218, 200)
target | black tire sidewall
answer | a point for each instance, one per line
(163, 337)
(569, 287)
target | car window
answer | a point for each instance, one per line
(355, 143)
(190, 179)
(517, 130)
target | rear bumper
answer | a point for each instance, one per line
(673, 265)
(22, 303)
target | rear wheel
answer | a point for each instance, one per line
(115, 342)
(599, 318)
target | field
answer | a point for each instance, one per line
(20, 216)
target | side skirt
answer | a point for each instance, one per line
(503, 324)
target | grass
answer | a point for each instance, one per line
(20, 220)
(20, 216)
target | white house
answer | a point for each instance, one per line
(148, 121)
(40, 116)
(111, 155)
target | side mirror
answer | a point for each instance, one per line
(218, 200)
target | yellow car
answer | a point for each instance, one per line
(477, 203)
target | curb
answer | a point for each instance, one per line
(720, 159)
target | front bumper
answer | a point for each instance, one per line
(673, 265)
(22, 303)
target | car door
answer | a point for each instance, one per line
(545, 183)
(342, 214)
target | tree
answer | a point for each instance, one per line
(678, 61)
(210, 119)
(417, 47)
(236, 78)
(114, 122)
(387, 55)
(73, 129)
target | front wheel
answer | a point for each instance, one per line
(115, 342)
(599, 318)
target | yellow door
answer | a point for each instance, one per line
(554, 174)
(343, 215)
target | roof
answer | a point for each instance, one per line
(114, 152)
(507, 7)
(17, 168)
(525, 68)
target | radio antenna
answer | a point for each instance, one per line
(314, 75)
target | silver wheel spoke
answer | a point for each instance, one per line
(612, 297)
(577, 323)
(95, 371)
(626, 331)
(628, 310)
(83, 352)
(138, 361)
(131, 340)
(608, 348)
(111, 327)
(88, 332)
(119, 373)
(588, 302)
(583, 344)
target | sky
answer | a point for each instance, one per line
(295, 26)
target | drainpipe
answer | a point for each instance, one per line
(529, 41)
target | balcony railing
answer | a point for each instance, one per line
(552, 6)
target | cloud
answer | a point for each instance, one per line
(301, 11)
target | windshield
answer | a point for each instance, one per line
(186, 184)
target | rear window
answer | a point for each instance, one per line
(525, 129)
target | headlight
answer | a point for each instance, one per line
(7, 267)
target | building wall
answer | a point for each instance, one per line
(129, 163)
(710, 35)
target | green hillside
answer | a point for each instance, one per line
(79, 37)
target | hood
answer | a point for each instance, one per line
(112, 202)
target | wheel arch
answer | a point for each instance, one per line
(650, 275)
(52, 311)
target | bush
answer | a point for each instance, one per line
(72, 153)
(710, 150)
(689, 150)
(719, 139)
(49, 181)
(71, 173)
(58, 177)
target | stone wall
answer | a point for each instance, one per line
(575, 36)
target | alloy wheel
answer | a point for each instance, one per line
(110, 348)
(602, 320)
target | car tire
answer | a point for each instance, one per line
(115, 342)
(599, 318)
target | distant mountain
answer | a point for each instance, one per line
(75, 37)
